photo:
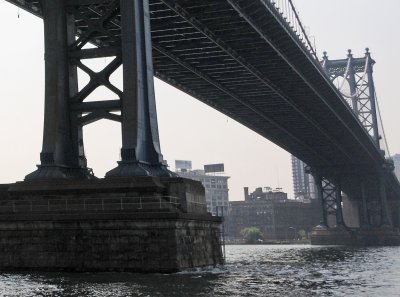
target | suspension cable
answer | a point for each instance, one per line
(383, 129)
(363, 79)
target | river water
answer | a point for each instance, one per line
(261, 270)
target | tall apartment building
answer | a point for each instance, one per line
(303, 183)
(215, 184)
(396, 160)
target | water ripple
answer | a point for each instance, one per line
(250, 271)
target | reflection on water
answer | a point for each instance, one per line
(250, 271)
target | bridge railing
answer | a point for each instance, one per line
(287, 11)
(90, 204)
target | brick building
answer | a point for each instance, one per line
(276, 216)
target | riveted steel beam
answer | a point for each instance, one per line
(108, 105)
(98, 115)
(93, 53)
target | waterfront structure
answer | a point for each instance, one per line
(216, 188)
(303, 182)
(278, 217)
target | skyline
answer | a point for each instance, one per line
(188, 128)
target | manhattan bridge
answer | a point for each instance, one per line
(253, 61)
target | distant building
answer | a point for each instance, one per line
(215, 184)
(303, 183)
(268, 195)
(396, 160)
(276, 216)
(183, 165)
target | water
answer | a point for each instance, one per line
(250, 271)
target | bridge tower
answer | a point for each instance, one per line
(353, 77)
(116, 30)
(141, 217)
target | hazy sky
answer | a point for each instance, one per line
(190, 130)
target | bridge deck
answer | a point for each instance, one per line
(241, 58)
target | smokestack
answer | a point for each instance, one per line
(246, 193)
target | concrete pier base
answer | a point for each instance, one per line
(355, 237)
(122, 224)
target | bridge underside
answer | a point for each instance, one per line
(242, 58)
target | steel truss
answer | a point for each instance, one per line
(331, 202)
(354, 79)
(77, 31)
(330, 197)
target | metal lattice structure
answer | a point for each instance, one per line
(353, 77)
(329, 197)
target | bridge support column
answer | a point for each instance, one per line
(386, 221)
(323, 224)
(351, 212)
(62, 153)
(398, 217)
(331, 199)
(365, 224)
(140, 153)
(339, 211)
